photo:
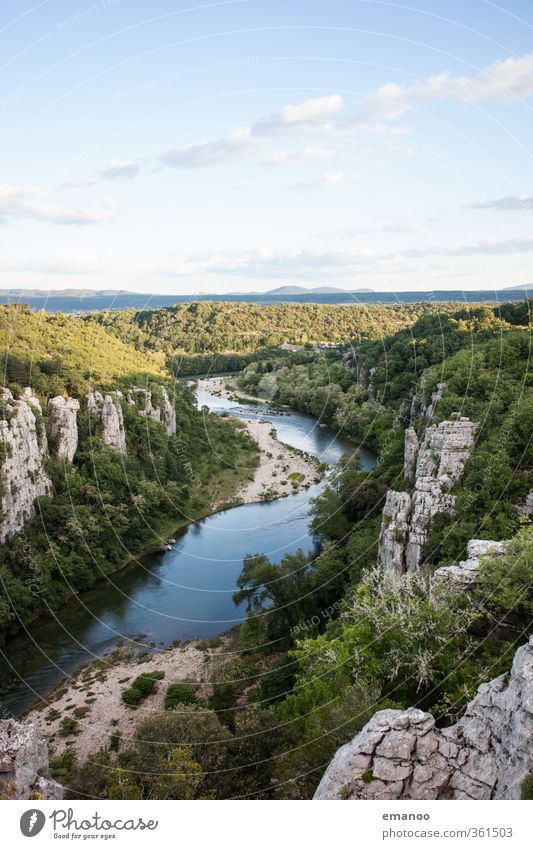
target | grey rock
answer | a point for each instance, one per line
(440, 460)
(487, 754)
(109, 410)
(63, 425)
(410, 453)
(460, 576)
(24, 763)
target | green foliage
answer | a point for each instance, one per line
(61, 766)
(142, 687)
(68, 726)
(218, 327)
(57, 354)
(526, 790)
(179, 694)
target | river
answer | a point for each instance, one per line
(177, 595)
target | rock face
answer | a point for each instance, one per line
(402, 755)
(109, 409)
(440, 461)
(63, 425)
(461, 575)
(410, 453)
(394, 531)
(23, 445)
(163, 412)
(23, 760)
(430, 410)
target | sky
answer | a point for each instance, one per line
(189, 147)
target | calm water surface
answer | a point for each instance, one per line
(181, 594)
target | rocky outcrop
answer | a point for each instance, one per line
(403, 755)
(23, 448)
(410, 453)
(440, 461)
(394, 531)
(63, 426)
(430, 410)
(460, 576)
(429, 500)
(24, 763)
(108, 408)
(445, 450)
(163, 411)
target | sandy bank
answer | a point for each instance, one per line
(282, 470)
(95, 696)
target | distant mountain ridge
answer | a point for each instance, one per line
(70, 301)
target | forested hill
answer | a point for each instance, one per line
(57, 353)
(209, 327)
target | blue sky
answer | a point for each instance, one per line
(185, 147)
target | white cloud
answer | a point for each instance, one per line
(504, 81)
(522, 202)
(121, 169)
(306, 263)
(248, 142)
(239, 145)
(26, 203)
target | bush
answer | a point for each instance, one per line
(142, 687)
(69, 726)
(179, 694)
(114, 741)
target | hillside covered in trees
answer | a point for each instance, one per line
(210, 327)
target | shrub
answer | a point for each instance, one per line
(179, 693)
(69, 726)
(142, 687)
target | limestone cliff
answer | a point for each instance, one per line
(161, 412)
(23, 447)
(63, 426)
(109, 410)
(438, 462)
(24, 763)
(402, 754)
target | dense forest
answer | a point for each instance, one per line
(206, 327)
